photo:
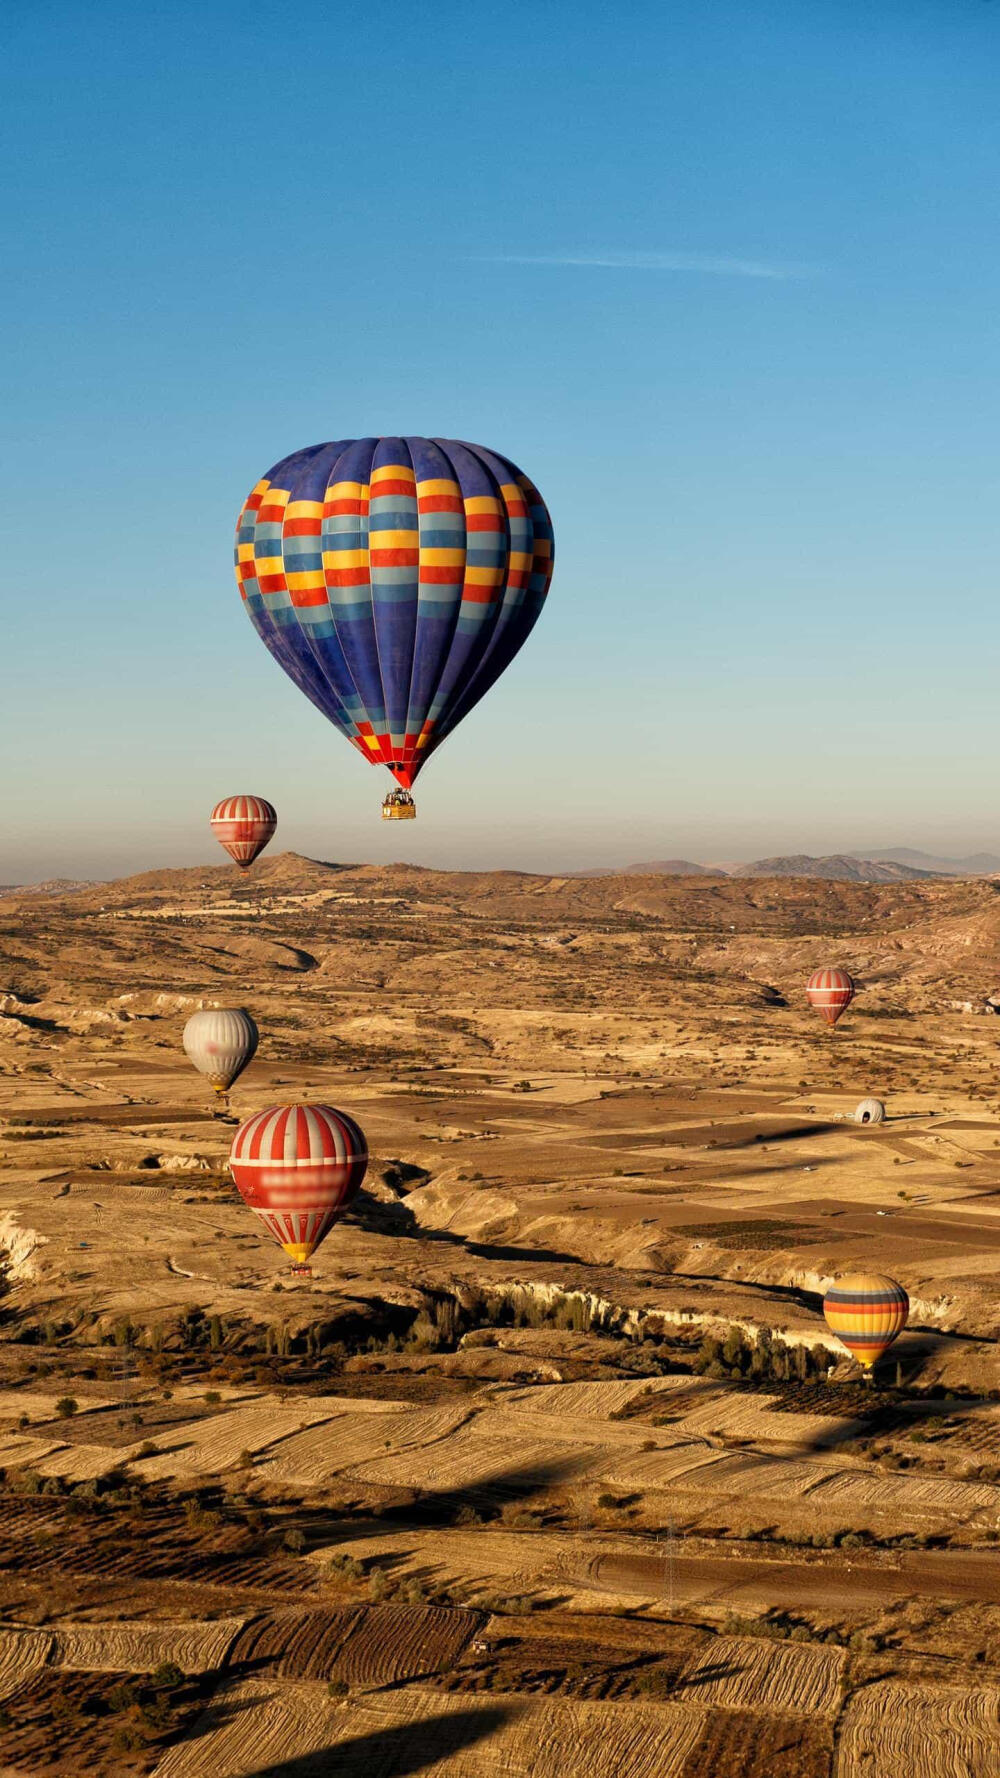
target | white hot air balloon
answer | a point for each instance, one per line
(870, 1111)
(221, 1041)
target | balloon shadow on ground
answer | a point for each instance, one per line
(394, 1752)
(436, 1507)
(382, 1753)
(877, 1418)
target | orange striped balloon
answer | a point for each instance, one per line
(866, 1312)
(830, 991)
(243, 825)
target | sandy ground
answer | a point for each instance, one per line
(598, 1137)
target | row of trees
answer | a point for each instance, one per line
(762, 1354)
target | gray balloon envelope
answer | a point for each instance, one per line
(220, 1042)
(870, 1111)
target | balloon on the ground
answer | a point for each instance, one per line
(870, 1111)
(866, 1312)
(221, 1041)
(830, 991)
(243, 825)
(298, 1167)
(394, 579)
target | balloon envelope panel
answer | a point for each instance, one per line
(866, 1312)
(394, 579)
(830, 991)
(298, 1167)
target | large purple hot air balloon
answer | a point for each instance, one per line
(394, 579)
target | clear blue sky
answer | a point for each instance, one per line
(723, 277)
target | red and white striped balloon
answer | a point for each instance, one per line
(830, 991)
(243, 824)
(297, 1167)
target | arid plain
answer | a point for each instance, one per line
(552, 1466)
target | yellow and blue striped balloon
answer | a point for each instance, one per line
(866, 1312)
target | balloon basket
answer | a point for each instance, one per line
(301, 1271)
(399, 806)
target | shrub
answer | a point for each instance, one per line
(294, 1541)
(66, 1407)
(166, 1677)
(346, 1565)
(337, 1688)
(656, 1682)
(127, 1738)
(709, 1353)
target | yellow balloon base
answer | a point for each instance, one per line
(299, 1252)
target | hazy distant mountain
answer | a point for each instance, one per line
(978, 864)
(658, 867)
(54, 886)
(838, 867)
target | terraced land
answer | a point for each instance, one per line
(551, 1466)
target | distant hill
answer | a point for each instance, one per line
(658, 867)
(978, 864)
(53, 886)
(838, 867)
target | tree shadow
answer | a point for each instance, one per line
(717, 1670)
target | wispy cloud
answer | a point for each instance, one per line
(717, 265)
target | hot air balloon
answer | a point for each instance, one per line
(243, 824)
(297, 1167)
(830, 991)
(866, 1312)
(870, 1111)
(221, 1041)
(394, 579)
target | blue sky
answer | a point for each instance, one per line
(723, 278)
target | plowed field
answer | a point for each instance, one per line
(252, 1727)
(139, 1647)
(205, 1447)
(468, 1461)
(902, 1731)
(732, 1744)
(742, 1673)
(22, 1653)
(390, 1643)
(294, 1645)
(907, 1493)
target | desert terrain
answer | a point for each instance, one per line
(552, 1465)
